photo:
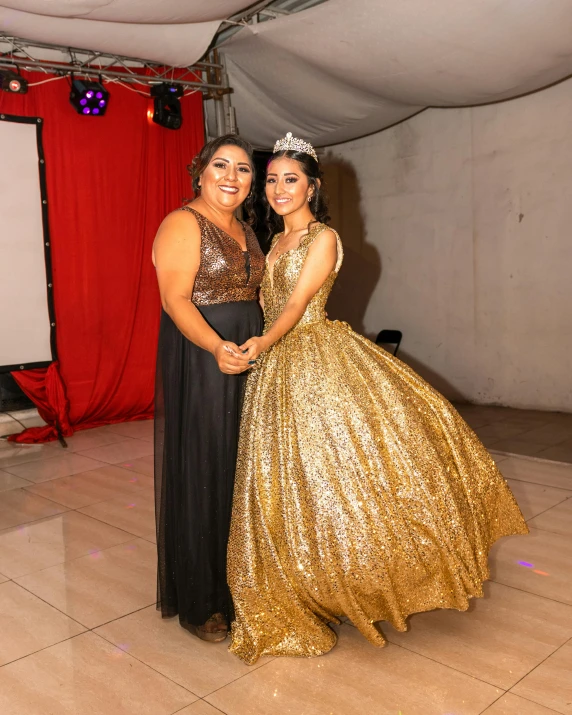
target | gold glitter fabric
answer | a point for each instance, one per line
(226, 273)
(359, 491)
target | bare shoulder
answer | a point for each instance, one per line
(178, 238)
(325, 237)
(179, 226)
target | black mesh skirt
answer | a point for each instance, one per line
(197, 416)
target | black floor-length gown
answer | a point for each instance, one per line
(197, 415)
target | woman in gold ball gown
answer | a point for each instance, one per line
(359, 490)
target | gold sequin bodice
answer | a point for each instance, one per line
(226, 274)
(278, 287)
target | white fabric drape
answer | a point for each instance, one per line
(173, 32)
(336, 71)
(344, 69)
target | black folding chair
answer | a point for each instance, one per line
(389, 337)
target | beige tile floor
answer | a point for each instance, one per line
(79, 632)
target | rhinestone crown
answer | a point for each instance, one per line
(290, 143)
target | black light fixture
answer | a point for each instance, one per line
(167, 108)
(13, 82)
(89, 98)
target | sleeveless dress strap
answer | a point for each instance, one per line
(193, 211)
(307, 241)
(199, 216)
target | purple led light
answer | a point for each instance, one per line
(89, 94)
(96, 110)
(102, 102)
(99, 95)
(86, 110)
(83, 102)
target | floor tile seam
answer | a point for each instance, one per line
(214, 707)
(124, 438)
(515, 588)
(103, 446)
(107, 523)
(41, 496)
(520, 436)
(68, 476)
(91, 630)
(51, 605)
(540, 513)
(40, 650)
(548, 531)
(535, 528)
(529, 457)
(41, 460)
(486, 682)
(537, 484)
(131, 655)
(77, 558)
(41, 518)
(240, 677)
(499, 438)
(531, 593)
(94, 551)
(3, 419)
(67, 509)
(85, 506)
(535, 595)
(483, 712)
(532, 671)
(82, 556)
(446, 665)
(422, 655)
(111, 426)
(119, 618)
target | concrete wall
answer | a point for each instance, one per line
(457, 228)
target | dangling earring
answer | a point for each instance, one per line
(309, 198)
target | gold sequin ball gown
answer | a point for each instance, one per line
(359, 490)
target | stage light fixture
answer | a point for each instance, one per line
(13, 82)
(89, 98)
(167, 108)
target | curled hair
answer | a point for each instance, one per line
(318, 203)
(204, 157)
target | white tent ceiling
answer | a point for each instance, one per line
(333, 72)
(174, 32)
(344, 69)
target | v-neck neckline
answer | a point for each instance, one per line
(290, 250)
(226, 233)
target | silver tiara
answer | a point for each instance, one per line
(290, 143)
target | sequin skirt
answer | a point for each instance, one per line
(359, 492)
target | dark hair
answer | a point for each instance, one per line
(318, 204)
(204, 157)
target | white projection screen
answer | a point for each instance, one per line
(26, 332)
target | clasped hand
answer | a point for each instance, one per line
(233, 359)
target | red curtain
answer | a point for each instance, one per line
(110, 180)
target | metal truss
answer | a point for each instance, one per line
(17, 53)
(261, 11)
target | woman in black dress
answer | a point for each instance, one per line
(209, 268)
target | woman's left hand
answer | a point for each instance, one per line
(253, 347)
